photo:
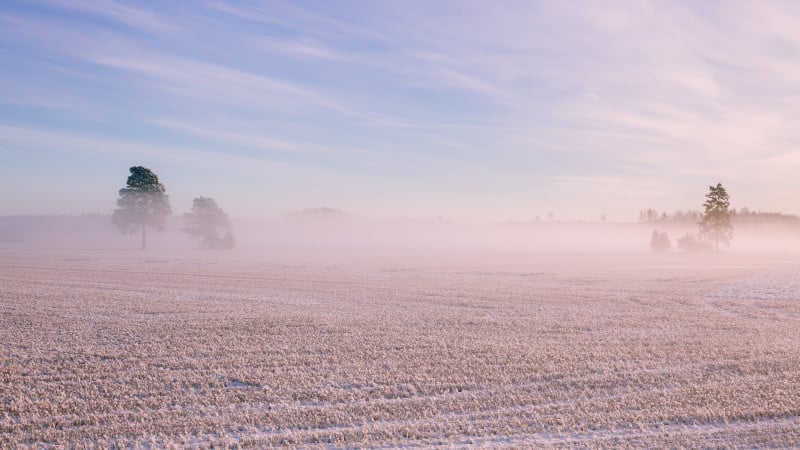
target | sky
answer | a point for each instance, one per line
(468, 110)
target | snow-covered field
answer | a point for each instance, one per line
(113, 348)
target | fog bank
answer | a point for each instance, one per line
(342, 238)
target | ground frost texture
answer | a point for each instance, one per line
(100, 350)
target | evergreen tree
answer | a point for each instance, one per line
(207, 221)
(716, 223)
(142, 203)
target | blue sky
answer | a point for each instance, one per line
(471, 110)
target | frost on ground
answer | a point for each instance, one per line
(158, 352)
(781, 284)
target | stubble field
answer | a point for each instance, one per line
(101, 349)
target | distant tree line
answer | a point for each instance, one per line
(743, 216)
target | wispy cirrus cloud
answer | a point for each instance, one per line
(131, 16)
(298, 48)
(303, 20)
(76, 143)
(258, 140)
(539, 98)
(212, 81)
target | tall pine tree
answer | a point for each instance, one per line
(142, 203)
(716, 223)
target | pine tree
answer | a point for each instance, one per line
(142, 203)
(207, 221)
(716, 223)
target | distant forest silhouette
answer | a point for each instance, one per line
(743, 216)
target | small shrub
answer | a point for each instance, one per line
(689, 243)
(659, 242)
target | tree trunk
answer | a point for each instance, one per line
(144, 240)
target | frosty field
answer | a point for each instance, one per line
(101, 348)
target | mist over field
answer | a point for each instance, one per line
(345, 236)
(399, 224)
(403, 334)
(325, 330)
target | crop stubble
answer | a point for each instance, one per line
(100, 351)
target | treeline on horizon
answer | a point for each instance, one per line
(743, 216)
(12, 227)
